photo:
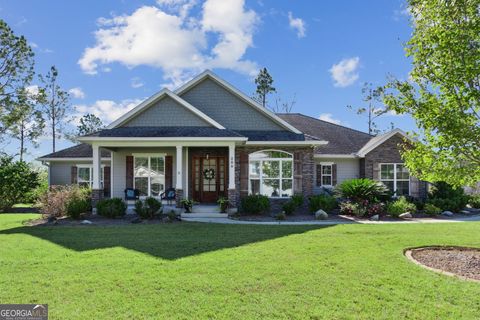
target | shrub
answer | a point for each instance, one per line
(148, 209)
(375, 208)
(475, 201)
(432, 209)
(352, 209)
(323, 201)
(297, 200)
(289, 207)
(16, 180)
(281, 216)
(172, 215)
(62, 201)
(255, 204)
(76, 206)
(448, 198)
(399, 206)
(34, 195)
(358, 190)
(111, 208)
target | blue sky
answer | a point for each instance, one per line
(112, 54)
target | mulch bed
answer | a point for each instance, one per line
(292, 218)
(459, 261)
(99, 221)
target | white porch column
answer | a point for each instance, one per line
(179, 157)
(97, 192)
(96, 167)
(231, 167)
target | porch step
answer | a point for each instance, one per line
(205, 208)
(204, 215)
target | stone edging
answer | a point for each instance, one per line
(408, 254)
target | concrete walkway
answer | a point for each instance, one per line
(331, 222)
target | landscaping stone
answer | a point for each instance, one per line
(447, 213)
(406, 215)
(136, 220)
(465, 212)
(86, 222)
(321, 215)
(375, 217)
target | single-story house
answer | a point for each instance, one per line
(208, 139)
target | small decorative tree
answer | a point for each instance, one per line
(264, 83)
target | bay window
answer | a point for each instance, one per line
(149, 175)
(271, 173)
(396, 177)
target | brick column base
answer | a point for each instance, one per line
(97, 195)
(179, 197)
(232, 198)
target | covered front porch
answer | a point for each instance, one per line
(202, 171)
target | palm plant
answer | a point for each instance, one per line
(359, 190)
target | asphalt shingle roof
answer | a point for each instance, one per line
(82, 150)
(262, 135)
(143, 132)
(341, 140)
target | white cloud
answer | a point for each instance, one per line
(345, 72)
(136, 82)
(329, 118)
(297, 24)
(77, 93)
(32, 90)
(169, 37)
(106, 110)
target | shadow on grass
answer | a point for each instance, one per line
(171, 242)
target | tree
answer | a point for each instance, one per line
(16, 68)
(16, 180)
(55, 102)
(264, 85)
(443, 92)
(372, 97)
(24, 121)
(284, 106)
(89, 123)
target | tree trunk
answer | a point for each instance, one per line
(22, 137)
(53, 133)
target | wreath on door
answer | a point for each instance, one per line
(209, 174)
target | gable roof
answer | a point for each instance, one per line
(156, 97)
(159, 132)
(207, 74)
(378, 140)
(341, 140)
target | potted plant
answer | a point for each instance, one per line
(187, 205)
(223, 203)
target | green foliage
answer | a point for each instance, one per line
(431, 209)
(111, 208)
(34, 195)
(399, 206)
(76, 206)
(16, 72)
(353, 209)
(172, 216)
(147, 209)
(281, 216)
(16, 180)
(89, 123)
(359, 190)
(223, 203)
(187, 204)
(289, 207)
(475, 201)
(264, 82)
(255, 204)
(298, 200)
(447, 197)
(442, 92)
(323, 201)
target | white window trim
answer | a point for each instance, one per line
(280, 168)
(90, 174)
(395, 180)
(326, 164)
(148, 156)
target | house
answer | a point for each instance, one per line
(208, 140)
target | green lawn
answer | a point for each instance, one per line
(202, 271)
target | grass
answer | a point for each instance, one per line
(190, 270)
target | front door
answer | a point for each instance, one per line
(208, 177)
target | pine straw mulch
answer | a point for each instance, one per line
(462, 262)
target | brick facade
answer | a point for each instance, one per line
(389, 152)
(97, 195)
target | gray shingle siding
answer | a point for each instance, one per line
(167, 113)
(226, 108)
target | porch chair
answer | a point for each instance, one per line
(169, 195)
(132, 194)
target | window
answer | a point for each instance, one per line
(326, 174)
(85, 176)
(149, 175)
(271, 173)
(396, 177)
